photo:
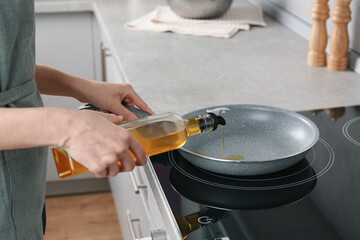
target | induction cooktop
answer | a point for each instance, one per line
(317, 198)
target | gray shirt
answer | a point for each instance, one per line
(22, 171)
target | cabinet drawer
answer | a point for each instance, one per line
(156, 220)
(132, 213)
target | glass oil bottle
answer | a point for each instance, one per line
(156, 133)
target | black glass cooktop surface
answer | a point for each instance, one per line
(317, 198)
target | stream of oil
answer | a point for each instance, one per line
(232, 157)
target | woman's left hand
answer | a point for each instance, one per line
(104, 95)
(110, 97)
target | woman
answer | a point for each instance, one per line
(26, 127)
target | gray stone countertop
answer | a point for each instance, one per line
(181, 73)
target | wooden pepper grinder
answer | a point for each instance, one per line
(335, 113)
(318, 36)
(339, 40)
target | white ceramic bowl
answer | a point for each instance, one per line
(199, 9)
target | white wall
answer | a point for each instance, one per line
(302, 9)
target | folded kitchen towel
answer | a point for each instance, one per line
(163, 19)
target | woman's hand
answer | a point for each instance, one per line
(106, 96)
(96, 142)
(111, 96)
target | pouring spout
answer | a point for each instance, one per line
(220, 120)
(215, 113)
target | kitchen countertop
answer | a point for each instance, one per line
(181, 73)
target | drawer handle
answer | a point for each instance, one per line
(104, 54)
(131, 226)
(135, 184)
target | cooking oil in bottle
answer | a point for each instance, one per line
(156, 134)
(65, 165)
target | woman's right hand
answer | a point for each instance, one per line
(96, 142)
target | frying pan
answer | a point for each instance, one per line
(270, 139)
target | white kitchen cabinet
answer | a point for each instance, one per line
(138, 212)
(137, 208)
(67, 41)
(131, 191)
(157, 224)
(132, 214)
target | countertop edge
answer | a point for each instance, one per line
(63, 7)
(163, 204)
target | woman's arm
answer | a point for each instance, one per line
(106, 96)
(90, 137)
(31, 127)
(51, 81)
